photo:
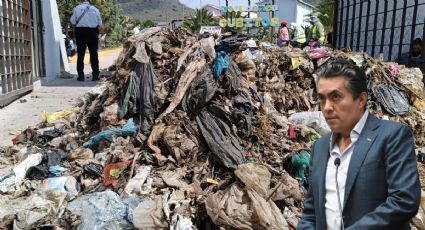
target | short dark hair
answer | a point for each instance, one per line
(417, 41)
(356, 77)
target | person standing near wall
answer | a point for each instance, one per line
(283, 35)
(413, 58)
(87, 22)
(317, 30)
(298, 35)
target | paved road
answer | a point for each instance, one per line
(56, 95)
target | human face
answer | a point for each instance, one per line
(417, 49)
(340, 110)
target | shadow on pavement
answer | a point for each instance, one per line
(70, 82)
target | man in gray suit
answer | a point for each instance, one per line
(363, 174)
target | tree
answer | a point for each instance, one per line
(147, 23)
(65, 8)
(325, 12)
(201, 17)
(117, 26)
(113, 21)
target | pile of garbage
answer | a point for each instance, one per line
(189, 133)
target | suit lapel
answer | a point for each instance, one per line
(322, 161)
(365, 141)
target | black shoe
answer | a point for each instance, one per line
(80, 78)
(95, 79)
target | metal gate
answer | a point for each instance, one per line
(15, 50)
(378, 27)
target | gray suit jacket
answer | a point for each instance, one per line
(382, 187)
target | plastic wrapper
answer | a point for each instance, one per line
(21, 169)
(130, 128)
(51, 118)
(101, 210)
(112, 172)
(66, 184)
(243, 207)
(41, 207)
(135, 184)
(313, 120)
(150, 215)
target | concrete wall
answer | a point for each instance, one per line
(302, 11)
(54, 45)
(289, 11)
(212, 10)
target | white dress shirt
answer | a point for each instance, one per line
(90, 19)
(333, 216)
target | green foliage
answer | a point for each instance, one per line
(263, 33)
(147, 23)
(325, 12)
(201, 17)
(65, 8)
(114, 22)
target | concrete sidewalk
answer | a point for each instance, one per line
(52, 96)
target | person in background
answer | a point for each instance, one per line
(317, 34)
(136, 30)
(283, 35)
(414, 57)
(363, 174)
(298, 37)
(69, 46)
(252, 51)
(87, 21)
(329, 38)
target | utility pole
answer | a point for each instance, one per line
(227, 7)
(182, 8)
(271, 27)
(200, 12)
(249, 12)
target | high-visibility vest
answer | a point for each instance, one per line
(299, 34)
(315, 34)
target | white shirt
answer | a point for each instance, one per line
(90, 19)
(333, 216)
(136, 30)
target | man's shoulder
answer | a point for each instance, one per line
(324, 140)
(85, 5)
(390, 126)
(81, 5)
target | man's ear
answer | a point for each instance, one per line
(363, 99)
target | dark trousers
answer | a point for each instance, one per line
(87, 37)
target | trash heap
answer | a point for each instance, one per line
(189, 133)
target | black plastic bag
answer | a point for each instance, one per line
(142, 99)
(201, 91)
(392, 98)
(54, 157)
(219, 137)
(94, 170)
(231, 82)
(39, 172)
(243, 116)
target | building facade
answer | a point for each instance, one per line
(290, 10)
